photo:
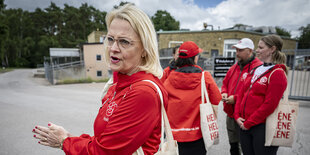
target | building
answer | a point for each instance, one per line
(93, 54)
(96, 37)
(64, 64)
(95, 67)
(216, 42)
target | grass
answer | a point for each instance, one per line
(3, 70)
(87, 80)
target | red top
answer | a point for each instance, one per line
(166, 73)
(262, 98)
(184, 88)
(129, 118)
(233, 81)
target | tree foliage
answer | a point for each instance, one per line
(304, 39)
(25, 37)
(282, 32)
(164, 21)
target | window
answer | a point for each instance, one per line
(98, 57)
(99, 73)
(228, 50)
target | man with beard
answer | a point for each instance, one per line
(232, 83)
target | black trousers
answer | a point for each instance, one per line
(253, 141)
(192, 148)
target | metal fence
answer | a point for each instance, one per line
(299, 75)
(53, 71)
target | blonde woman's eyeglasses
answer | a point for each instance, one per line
(121, 43)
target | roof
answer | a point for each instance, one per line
(215, 31)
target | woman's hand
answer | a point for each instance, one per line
(230, 100)
(224, 97)
(52, 136)
(240, 123)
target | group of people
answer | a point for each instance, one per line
(251, 91)
(130, 115)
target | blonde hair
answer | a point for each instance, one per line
(278, 57)
(143, 26)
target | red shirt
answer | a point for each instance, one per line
(255, 103)
(233, 81)
(129, 118)
(184, 89)
(166, 73)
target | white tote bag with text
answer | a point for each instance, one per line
(208, 118)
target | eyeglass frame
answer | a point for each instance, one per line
(130, 42)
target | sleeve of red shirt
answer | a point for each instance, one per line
(128, 128)
(213, 91)
(238, 100)
(275, 90)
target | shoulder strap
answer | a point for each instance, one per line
(106, 87)
(204, 92)
(285, 95)
(165, 121)
(272, 73)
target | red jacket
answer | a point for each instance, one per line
(233, 81)
(168, 70)
(129, 118)
(255, 103)
(184, 88)
(166, 73)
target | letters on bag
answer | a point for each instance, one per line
(281, 124)
(208, 122)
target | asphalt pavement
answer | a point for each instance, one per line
(26, 101)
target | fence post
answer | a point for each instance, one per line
(292, 80)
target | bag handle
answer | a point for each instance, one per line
(204, 92)
(165, 121)
(285, 95)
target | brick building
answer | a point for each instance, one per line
(217, 42)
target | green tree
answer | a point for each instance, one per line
(4, 34)
(122, 4)
(304, 39)
(282, 32)
(164, 21)
(25, 37)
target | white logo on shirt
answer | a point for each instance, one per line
(244, 76)
(263, 80)
(111, 108)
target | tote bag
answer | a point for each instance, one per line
(281, 124)
(170, 147)
(208, 123)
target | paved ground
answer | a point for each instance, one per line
(26, 101)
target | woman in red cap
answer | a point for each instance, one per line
(184, 90)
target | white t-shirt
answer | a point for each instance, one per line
(259, 71)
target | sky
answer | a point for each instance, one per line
(221, 14)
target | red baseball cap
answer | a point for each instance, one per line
(189, 49)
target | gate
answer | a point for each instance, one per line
(299, 74)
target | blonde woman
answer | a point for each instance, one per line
(260, 96)
(130, 114)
